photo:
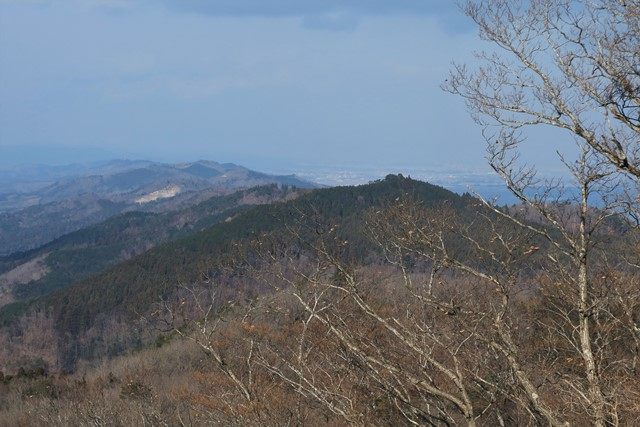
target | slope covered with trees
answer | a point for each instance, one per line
(142, 280)
(89, 251)
(386, 303)
(130, 288)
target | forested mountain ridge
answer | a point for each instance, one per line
(90, 250)
(186, 260)
(132, 286)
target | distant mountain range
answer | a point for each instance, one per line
(41, 203)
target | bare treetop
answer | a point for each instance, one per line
(573, 65)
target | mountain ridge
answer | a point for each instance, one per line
(131, 286)
(81, 253)
(28, 220)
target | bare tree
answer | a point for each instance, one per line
(195, 314)
(392, 347)
(569, 64)
(575, 66)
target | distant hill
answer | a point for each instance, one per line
(42, 211)
(133, 285)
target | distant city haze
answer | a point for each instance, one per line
(282, 86)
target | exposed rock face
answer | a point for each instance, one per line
(165, 193)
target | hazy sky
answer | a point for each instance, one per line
(264, 83)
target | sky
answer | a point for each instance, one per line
(271, 84)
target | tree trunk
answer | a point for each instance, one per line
(595, 391)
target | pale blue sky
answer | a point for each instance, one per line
(266, 83)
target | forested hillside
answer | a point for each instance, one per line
(274, 303)
(130, 288)
(78, 255)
